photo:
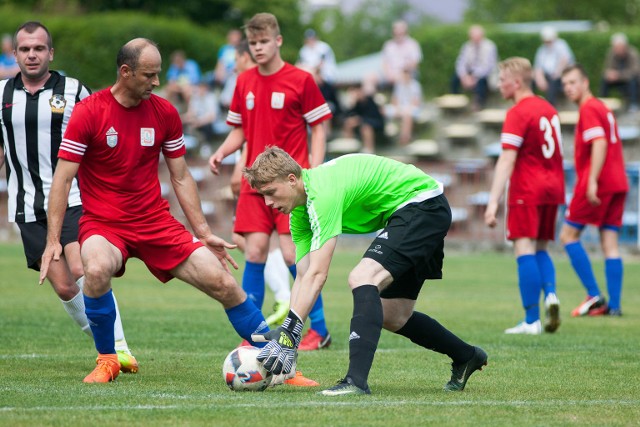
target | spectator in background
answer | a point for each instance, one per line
(364, 115)
(406, 103)
(183, 75)
(622, 70)
(400, 53)
(477, 60)
(552, 57)
(317, 54)
(243, 61)
(226, 61)
(8, 64)
(203, 113)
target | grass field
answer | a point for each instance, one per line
(585, 374)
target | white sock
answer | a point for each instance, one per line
(75, 308)
(118, 332)
(276, 274)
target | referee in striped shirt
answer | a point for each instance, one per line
(35, 109)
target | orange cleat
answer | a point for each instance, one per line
(107, 369)
(312, 340)
(300, 380)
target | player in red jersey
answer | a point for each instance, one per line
(531, 160)
(272, 105)
(599, 194)
(113, 142)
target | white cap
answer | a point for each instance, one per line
(548, 34)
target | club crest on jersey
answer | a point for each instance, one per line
(112, 137)
(277, 100)
(57, 103)
(250, 100)
(147, 137)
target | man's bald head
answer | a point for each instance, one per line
(129, 54)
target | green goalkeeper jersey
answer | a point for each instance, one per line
(355, 194)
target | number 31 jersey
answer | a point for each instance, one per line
(532, 127)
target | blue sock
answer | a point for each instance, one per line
(547, 271)
(582, 266)
(246, 319)
(613, 272)
(530, 282)
(253, 282)
(101, 313)
(316, 316)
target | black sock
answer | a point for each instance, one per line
(428, 333)
(366, 325)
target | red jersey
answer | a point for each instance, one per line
(118, 149)
(597, 121)
(275, 110)
(532, 127)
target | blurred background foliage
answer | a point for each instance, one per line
(88, 34)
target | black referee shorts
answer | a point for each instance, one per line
(411, 246)
(34, 235)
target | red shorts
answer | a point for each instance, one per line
(608, 212)
(161, 242)
(253, 215)
(531, 221)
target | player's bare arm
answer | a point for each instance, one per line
(503, 171)
(187, 193)
(58, 200)
(231, 144)
(313, 270)
(318, 144)
(598, 156)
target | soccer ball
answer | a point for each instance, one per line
(242, 372)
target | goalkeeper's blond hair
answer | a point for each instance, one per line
(271, 165)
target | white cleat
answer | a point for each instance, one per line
(525, 328)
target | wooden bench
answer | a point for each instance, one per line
(453, 103)
(423, 148)
(341, 146)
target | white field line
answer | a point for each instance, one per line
(358, 403)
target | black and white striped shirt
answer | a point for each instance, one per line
(32, 129)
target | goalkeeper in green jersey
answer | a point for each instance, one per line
(357, 194)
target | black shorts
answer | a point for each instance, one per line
(411, 246)
(34, 235)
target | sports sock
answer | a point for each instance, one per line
(316, 317)
(276, 275)
(253, 282)
(118, 331)
(246, 319)
(530, 284)
(582, 266)
(547, 271)
(75, 309)
(366, 325)
(613, 271)
(101, 313)
(428, 333)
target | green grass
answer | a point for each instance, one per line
(585, 374)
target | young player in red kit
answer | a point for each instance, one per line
(531, 160)
(113, 143)
(599, 195)
(272, 105)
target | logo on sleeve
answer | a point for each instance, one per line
(112, 137)
(57, 103)
(250, 101)
(147, 137)
(277, 100)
